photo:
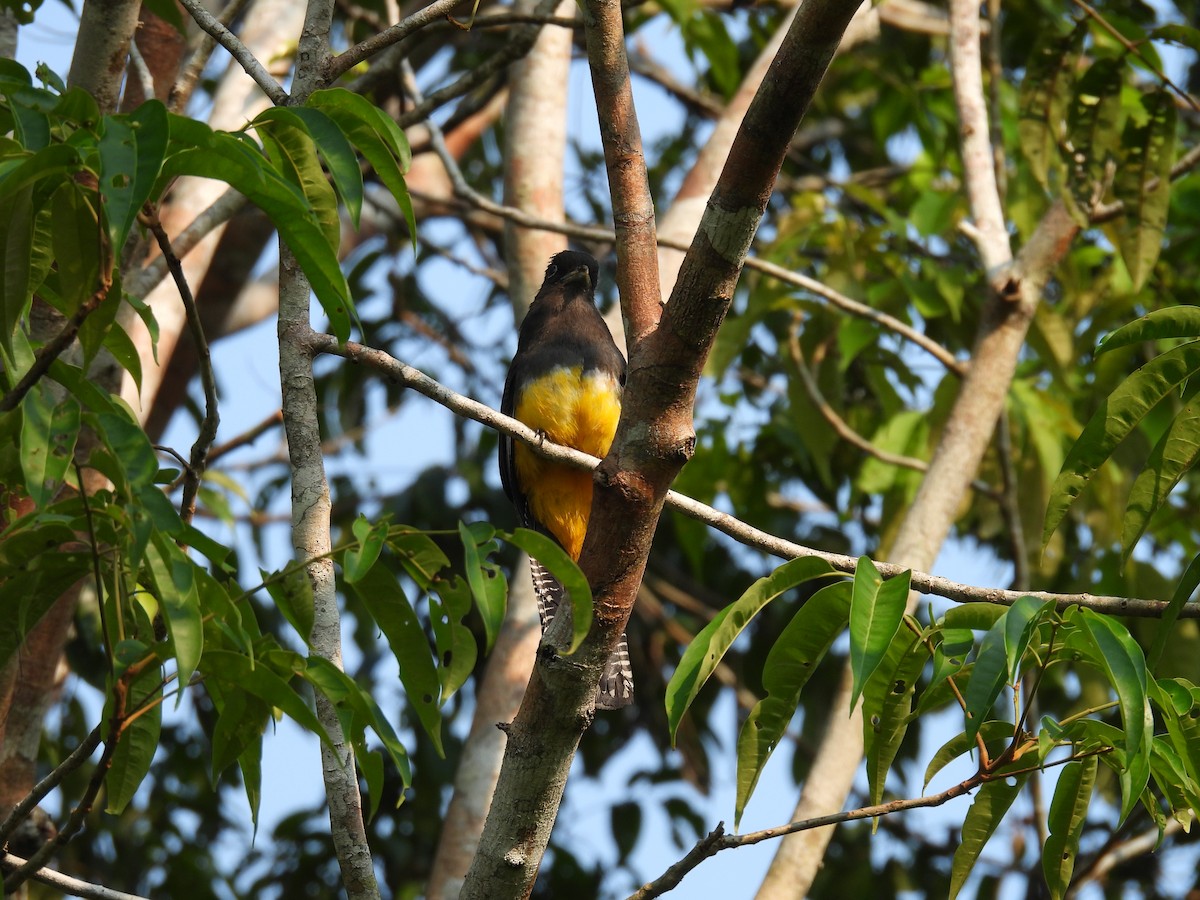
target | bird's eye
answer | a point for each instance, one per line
(551, 271)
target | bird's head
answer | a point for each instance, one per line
(573, 268)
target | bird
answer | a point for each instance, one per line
(565, 383)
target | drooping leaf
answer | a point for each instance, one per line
(987, 811)
(709, 646)
(135, 749)
(449, 605)
(1068, 812)
(334, 148)
(291, 149)
(1143, 183)
(1173, 456)
(204, 153)
(383, 598)
(790, 663)
(48, 437)
(1117, 416)
(1093, 133)
(243, 673)
(292, 592)
(175, 588)
(16, 249)
(988, 677)
(876, 610)
(1045, 94)
(1020, 624)
(1123, 662)
(1188, 582)
(887, 706)
(995, 735)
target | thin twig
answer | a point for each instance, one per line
(57, 345)
(75, 821)
(200, 48)
(274, 420)
(1133, 48)
(848, 434)
(406, 376)
(336, 66)
(77, 758)
(717, 840)
(212, 418)
(94, 547)
(65, 883)
(230, 41)
(1108, 211)
(220, 211)
(518, 45)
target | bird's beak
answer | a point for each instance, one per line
(581, 275)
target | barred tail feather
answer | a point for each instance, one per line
(616, 683)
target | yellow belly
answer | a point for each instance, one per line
(577, 411)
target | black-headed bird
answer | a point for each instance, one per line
(565, 382)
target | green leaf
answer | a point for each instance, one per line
(16, 247)
(357, 561)
(1160, 324)
(208, 154)
(709, 646)
(1117, 416)
(547, 551)
(1178, 34)
(488, 585)
(1068, 812)
(47, 443)
(791, 661)
(876, 610)
(337, 152)
(138, 742)
(1143, 183)
(175, 589)
(243, 673)
(292, 592)
(987, 678)
(75, 239)
(118, 163)
(887, 706)
(292, 151)
(377, 137)
(1045, 93)
(131, 446)
(380, 593)
(986, 812)
(973, 616)
(1020, 624)
(345, 692)
(1094, 134)
(1122, 660)
(456, 648)
(1173, 456)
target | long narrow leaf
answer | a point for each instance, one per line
(1123, 662)
(709, 646)
(984, 816)
(791, 661)
(1175, 454)
(1117, 416)
(876, 609)
(1143, 182)
(1068, 812)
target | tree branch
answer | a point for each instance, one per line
(230, 41)
(338, 65)
(65, 883)
(311, 504)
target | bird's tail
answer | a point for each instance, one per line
(616, 683)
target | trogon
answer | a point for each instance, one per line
(565, 382)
